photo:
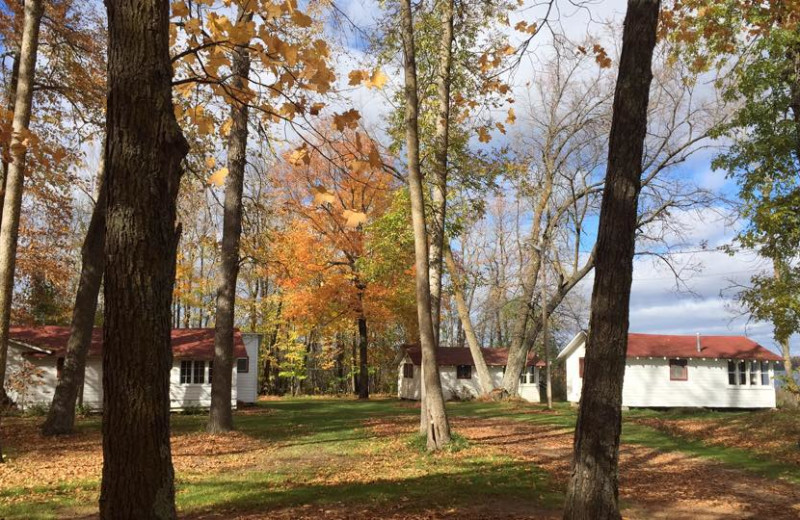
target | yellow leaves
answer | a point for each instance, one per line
(210, 162)
(512, 117)
(180, 9)
(218, 178)
(347, 119)
(500, 126)
(301, 19)
(322, 196)
(225, 129)
(242, 33)
(375, 80)
(316, 108)
(354, 218)
(525, 27)
(483, 135)
(299, 156)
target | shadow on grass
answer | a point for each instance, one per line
(474, 483)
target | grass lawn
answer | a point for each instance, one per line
(298, 458)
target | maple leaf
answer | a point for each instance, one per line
(218, 178)
(356, 77)
(377, 80)
(300, 156)
(347, 119)
(322, 196)
(483, 135)
(180, 9)
(512, 117)
(354, 218)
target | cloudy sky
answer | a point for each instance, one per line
(703, 301)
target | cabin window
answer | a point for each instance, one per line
(528, 377)
(765, 373)
(678, 370)
(464, 372)
(210, 371)
(580, 367)
(193, 372)
(408, 371)
(732, 372)
(742, 367)
(754, 373)
(242, 366)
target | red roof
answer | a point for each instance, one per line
(452, 356)
(186, 343)
(725, 347)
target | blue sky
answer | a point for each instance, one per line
(705, 302)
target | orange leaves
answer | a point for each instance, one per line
(354, 218)
(322, 196)
(218, 178)
(348, 119)
(375, 80)
(180, 8)
(483, 135)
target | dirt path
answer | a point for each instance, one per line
(653, 485)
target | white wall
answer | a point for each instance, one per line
(647, 384)
(247, 382)
(181, 396)
(452, 387)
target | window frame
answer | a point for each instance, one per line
(581, 367)
(460, 369)
(678, 362)
(246, 365)
(190, 369)
(765, 379)
(408, 370)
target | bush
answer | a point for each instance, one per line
(787, 399)
(194, 410)
(36, 410)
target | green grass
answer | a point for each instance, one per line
(321, 454)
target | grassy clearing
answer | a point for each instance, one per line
(347, 455)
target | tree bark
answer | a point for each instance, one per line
(363, 383)
(15, 179)
(593, 490)
(144, 151)
(439, 188)
(484, 379)
(438, 431)
(221, 414)
(61, 416)
(11, 101)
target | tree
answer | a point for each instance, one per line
(438, 431)
(593, 487)
(14, 180)
(221, 416)
(756, 46)
(61, 415)
(144, 150)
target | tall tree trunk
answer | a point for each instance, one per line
(61, 416)
(438, 430)
(439, 188)
(363, 380)
(11, 102)
(780, 271)
(593, 491)
(484, 379)
(15, 179)
(144, 151)
(221, 415)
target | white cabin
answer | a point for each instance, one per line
(457, 373)
(685, 371)
(190, 378)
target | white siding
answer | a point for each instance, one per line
(647, 384)
(247, 382)
(574, 381)
(452, 387)
(181, 396)
(42, 391)
(93, 384)
(184, 396)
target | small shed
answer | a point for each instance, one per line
(457, 372)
